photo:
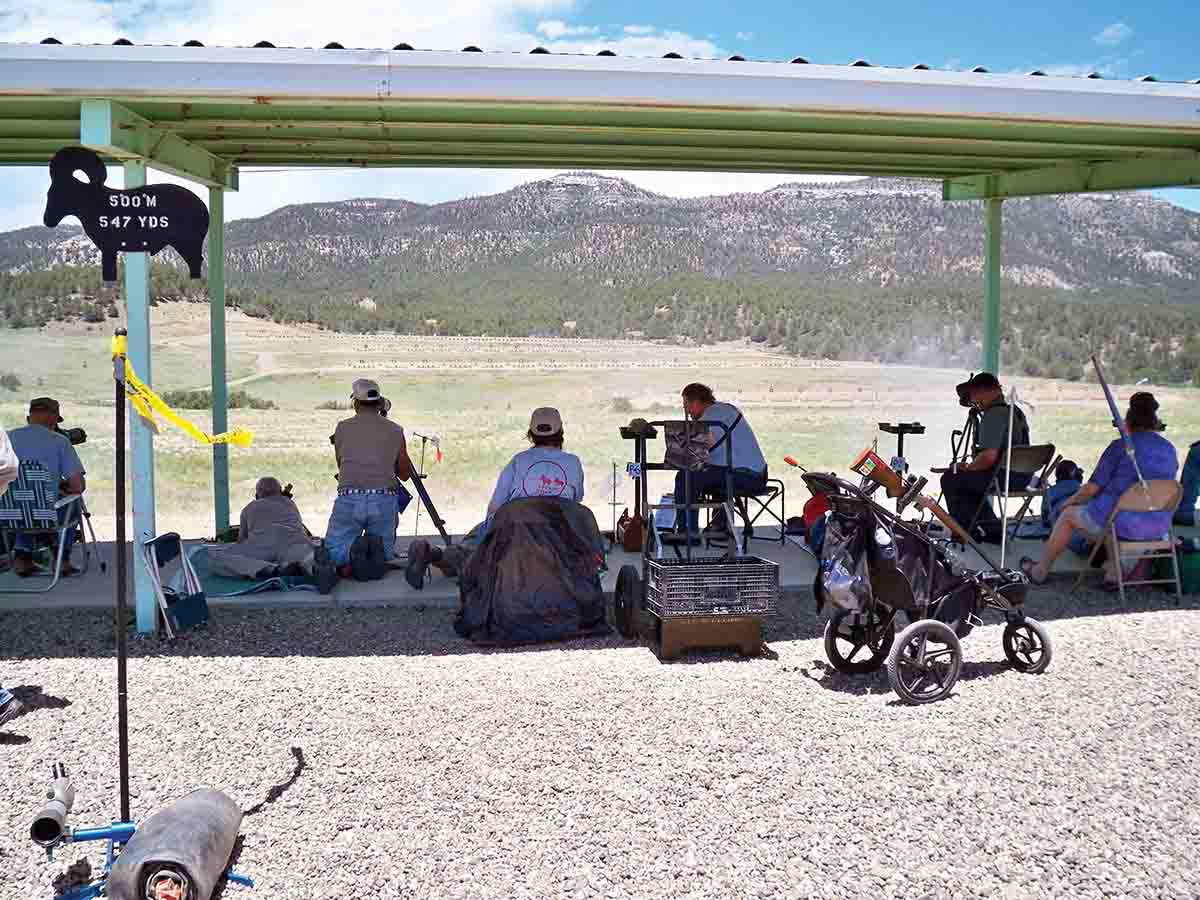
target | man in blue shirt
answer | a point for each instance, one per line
(40, 442)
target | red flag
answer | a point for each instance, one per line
(438, 455)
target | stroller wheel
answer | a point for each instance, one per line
(857, 649)
(1027, 646)
(627, 601)
(925, 662)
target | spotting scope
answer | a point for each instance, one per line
(49, 826)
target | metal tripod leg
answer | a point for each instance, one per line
(419, 483)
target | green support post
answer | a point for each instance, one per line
(137, 313)
(991, 297)
(220, 388)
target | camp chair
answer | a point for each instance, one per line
(1035, 460)
(1161, 495)
(184, 610)
(770, 493)
(26, 508)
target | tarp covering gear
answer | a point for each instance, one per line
(535, 576)
(189, 842)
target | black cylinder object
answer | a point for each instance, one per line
(48, 824)
(194, 837)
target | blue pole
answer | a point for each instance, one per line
(220, 388)
(137, 313)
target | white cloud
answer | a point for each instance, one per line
(452, 24)
(639, 29)
(745, 35)
(1114, 34)
(556, 28)
(953, 63)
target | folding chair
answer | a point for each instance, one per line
(772, 491)
(26, 508)
(184, 610)
(1157, 496)
(1035, 460)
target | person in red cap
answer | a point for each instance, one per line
(543, 470)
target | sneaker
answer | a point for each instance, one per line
(10, 706)
(360, 562)
(419, 553)
(376, 561)
(324, 569)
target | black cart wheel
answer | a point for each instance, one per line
(1027, 646)
(925, 662)
(627, 601)
(858, 647)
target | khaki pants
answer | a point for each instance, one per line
(260, 558)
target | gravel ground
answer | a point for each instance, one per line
(378, 756)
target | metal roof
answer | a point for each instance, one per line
(298, 107)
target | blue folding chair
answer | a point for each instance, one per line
(28, 507)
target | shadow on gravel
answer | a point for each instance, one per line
(7, 739)
(234, 856)
(369, 631)
(826, 676)
(280, 789)
(32, 697)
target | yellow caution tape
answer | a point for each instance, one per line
(146, 403)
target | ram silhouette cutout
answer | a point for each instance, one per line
(135, 220)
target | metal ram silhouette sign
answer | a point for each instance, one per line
(135, 220)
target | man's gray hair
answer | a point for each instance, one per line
(267, 487)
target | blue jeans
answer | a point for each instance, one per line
(354, 514)
(1186, 514)
(711, 480)
(23, 543)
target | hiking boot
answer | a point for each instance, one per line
(376, 560)
(10, 706)
(324, 570)
(419, 553)
(360, 563)
(23, 565)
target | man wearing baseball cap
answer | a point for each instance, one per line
(544, 470)
(371, 454)
(39, 442)
(965, 487)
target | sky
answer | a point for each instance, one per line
(1118, 40)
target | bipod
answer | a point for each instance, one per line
(438, 522)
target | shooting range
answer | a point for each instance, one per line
(206, 114)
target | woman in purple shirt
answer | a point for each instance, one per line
(1087, 512)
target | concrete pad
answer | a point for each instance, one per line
(798, 568)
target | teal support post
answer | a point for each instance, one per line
(137, 312)
(991, 295)
(220, 388)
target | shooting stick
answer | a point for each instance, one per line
(118, 358)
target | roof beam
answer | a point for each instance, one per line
(1124, 175)
(112, 130)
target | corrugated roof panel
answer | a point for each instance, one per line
(472, 48)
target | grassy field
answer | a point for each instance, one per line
(476, 394)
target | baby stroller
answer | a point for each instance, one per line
(874, 566)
